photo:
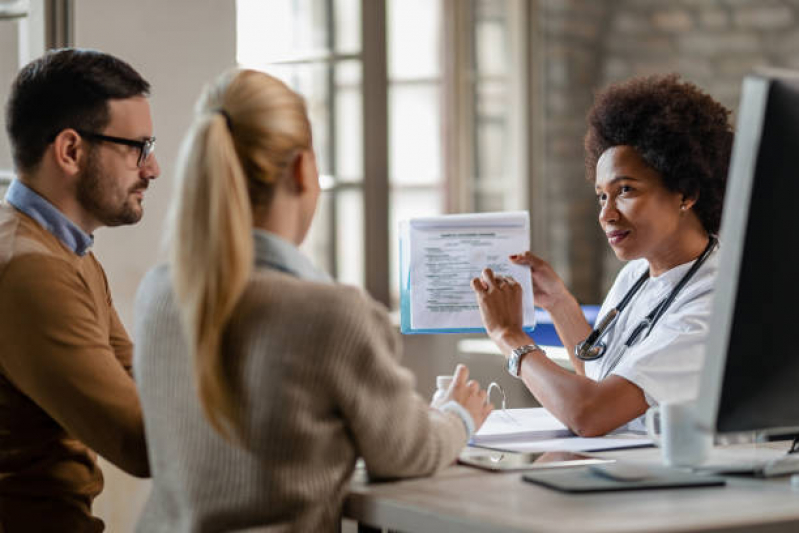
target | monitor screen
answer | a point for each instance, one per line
(750, 380)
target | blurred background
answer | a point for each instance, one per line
(419, 107)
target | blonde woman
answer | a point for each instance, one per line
(261, 380)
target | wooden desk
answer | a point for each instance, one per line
(463, 499)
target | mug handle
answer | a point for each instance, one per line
(649, 420)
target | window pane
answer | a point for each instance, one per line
(9, 65)
(349, 122)
(491, 35)
(491, 152)
(490, 202)
(491, 133)
(492, 99)
(317, 242)
(348, 26)
(349, 236)
(406, 204)
(413, 38)
(492, 54)
(414, 134)
(310, 80)
(279, 29)
(496, 145)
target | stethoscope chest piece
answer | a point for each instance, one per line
(593, 348)
(589, 352)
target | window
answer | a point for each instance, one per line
(415, 136)
(314, 46)
(27, 27)
(451, 74)
(500, 180)
(12, 31)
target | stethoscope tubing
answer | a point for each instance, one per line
(592, 348)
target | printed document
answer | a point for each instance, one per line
(441, 255)
(537, 430)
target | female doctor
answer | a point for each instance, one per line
(657, 152)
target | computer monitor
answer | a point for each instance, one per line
(750, 380)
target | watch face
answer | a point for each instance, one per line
(513, 365)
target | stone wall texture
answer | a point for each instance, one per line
(591, 43)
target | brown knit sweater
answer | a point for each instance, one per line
(65, 385)
(318, 368)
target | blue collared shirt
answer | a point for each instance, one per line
(49, 217)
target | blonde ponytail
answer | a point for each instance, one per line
(249, 125)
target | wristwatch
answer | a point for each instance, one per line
(515, 359)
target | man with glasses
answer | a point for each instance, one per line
(81, 135)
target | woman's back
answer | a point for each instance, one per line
(319, 386)
(260, 380)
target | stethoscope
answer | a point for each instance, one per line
(592, 348)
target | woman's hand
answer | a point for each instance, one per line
(500, 301)
(469, 394)
(548, 288)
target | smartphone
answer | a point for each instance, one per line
(501, 461)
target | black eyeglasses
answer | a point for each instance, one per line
(145, 146)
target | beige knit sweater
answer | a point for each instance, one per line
(318, 368)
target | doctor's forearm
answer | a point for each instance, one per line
(587, 407)
(567, 396)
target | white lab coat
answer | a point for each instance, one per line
(667, 363)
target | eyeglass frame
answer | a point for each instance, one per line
(146, 146)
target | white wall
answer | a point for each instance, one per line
(177, 45)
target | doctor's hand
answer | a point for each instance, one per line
(548, 288)
(469, 394)
(500, 299)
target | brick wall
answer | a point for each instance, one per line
(590, 43)
(572, 37)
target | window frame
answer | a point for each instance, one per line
(458, 111)
(46, 24)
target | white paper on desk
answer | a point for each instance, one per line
(536, 429)
(510, 425)
(573, 444)
(446, 252)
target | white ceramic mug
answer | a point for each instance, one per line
(681, 440)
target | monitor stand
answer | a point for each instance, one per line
(781, 466)
(786, 464)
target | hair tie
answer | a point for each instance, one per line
(228, 120)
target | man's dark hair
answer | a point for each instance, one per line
(679, 130)
(66, 88)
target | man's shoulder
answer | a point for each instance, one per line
(35, 273)
(20, 235)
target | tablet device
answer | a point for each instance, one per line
(502, 461)
(620, 476)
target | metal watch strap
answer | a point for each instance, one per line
(515, 359)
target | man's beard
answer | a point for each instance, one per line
(95, 195)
